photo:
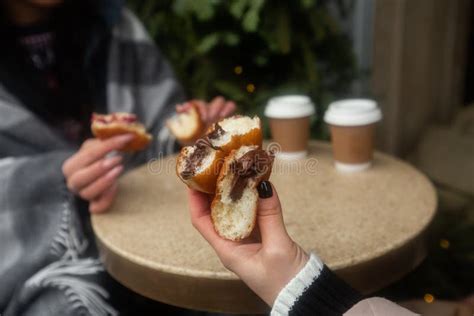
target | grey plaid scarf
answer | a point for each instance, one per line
(46, 266)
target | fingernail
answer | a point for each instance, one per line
(265, 190)
(113, 153)
(114, 172)
(110, 161)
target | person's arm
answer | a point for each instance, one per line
(33, 195)
(43, 242)
(279, 270)
(315, 290)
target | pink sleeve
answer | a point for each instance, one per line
(377, 306)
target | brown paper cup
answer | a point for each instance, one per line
(352, 123)
(289, 118)
(291, 134)
(353, 146)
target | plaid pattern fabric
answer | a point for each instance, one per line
(48, 265)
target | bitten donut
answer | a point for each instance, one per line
(235, 131)
(234, 207)
(198, 166)
(107, 125)
(187, 126)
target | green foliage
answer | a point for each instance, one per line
(229, 46)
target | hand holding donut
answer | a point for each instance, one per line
(228, 162)
(211, 112)
(195, 116)
(92, 174)
(268, 259)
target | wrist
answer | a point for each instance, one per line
(297, 285)
(283, 271)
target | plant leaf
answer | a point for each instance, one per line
(252, 17)
(230, 90)
(207, 43)
(237, 8)
(202, 9)
(283, 31)
(306, 4)
(230, 38)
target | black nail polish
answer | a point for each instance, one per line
(265, 190)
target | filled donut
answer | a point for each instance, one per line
(234, 207)
(187, 126)
(235, 131)
(104, 126)
(198, 166)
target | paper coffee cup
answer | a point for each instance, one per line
(289, 118)
(352, 123)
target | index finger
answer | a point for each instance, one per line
(183, 107)
(199, 204)
(215, 107)
(97, 150)
(199, 207)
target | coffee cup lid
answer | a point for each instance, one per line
(289, 106)
(353, 112)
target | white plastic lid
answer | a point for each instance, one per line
(289, 106)
(353, 112)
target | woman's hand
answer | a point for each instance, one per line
(266, 261)
(211, 112)
(92, 174)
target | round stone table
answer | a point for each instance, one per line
(368, 227)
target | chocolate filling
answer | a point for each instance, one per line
(205, 142)
(217, 132)
(201, 149)
(252, 164)
(194, 161)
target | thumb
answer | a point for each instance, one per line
(269, 215)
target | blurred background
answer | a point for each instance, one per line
(416, 58)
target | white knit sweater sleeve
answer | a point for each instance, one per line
(296, 287)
